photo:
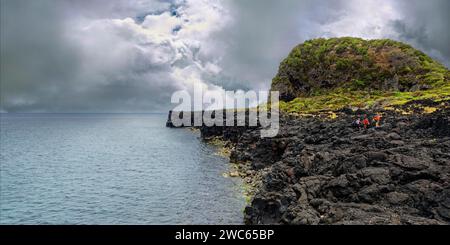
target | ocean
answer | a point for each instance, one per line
(111, 169)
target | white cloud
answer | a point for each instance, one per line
(164, 51)
(367, 19)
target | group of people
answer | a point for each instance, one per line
(365, 122)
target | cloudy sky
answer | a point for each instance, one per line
(131, 55)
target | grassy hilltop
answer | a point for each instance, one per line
(329, 74)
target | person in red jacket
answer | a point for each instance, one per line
(366, 121)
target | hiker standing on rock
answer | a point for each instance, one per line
(357, 123)
(366, 122)
(377, 119)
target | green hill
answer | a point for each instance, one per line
(328, 74)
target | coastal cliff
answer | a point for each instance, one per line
(322, 168)
(324, 171)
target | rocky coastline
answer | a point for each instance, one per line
(323, 170)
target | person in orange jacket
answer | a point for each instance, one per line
(377, 119)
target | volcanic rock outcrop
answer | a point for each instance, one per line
(323, 169)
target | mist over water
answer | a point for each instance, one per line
(111, 169)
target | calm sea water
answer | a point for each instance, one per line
(111, 169)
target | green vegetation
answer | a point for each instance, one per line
(329, 74)
(222, 149)
(342, 61)
(358, 84)
(340, 98)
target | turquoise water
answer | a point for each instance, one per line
(110, 169)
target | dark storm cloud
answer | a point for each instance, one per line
(36, 62)
(49, 64)
(121, 55)
(425, 25)
(114, 8)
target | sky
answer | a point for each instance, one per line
(131, 55)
